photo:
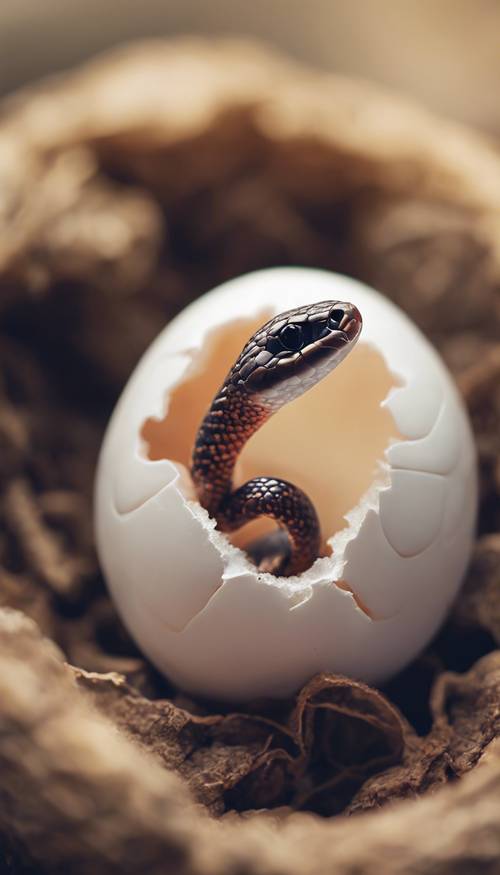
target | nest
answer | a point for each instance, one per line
(127, 189)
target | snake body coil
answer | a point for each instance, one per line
(283, 359)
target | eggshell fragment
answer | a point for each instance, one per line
(382, 446)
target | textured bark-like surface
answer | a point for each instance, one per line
(127, 188)
(83, 798)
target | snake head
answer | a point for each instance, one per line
(295, 350)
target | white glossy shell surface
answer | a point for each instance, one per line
(198, 609)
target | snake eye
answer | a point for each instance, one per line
(291, 337)
(335, 318)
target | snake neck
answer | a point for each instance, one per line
(232, 419)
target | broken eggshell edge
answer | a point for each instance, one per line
(194, 603)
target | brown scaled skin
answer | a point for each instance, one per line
(283, 359)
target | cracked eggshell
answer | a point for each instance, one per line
(384, 449)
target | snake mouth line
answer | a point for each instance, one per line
(329, 442)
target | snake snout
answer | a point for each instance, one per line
(352, 321)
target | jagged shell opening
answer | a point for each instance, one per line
(329, 441)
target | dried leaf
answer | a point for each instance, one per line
(347, 731)
(469, 707)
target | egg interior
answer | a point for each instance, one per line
(330, 441)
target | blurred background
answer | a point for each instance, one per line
(445, 53)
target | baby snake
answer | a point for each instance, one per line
(282, 360)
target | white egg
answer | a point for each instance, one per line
(383, 448)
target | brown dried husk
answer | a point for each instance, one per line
(127, 189)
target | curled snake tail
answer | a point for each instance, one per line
(283, 502)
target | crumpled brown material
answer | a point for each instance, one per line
(127, 189)
(336, 731)
(80, 796)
